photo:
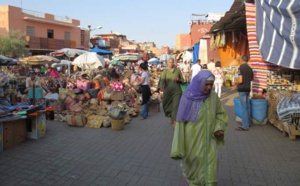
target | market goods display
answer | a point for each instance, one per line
(274, 97)
(91, 99)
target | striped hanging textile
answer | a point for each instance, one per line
(278, 31)
(261, 68)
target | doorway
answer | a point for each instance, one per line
(50, 33)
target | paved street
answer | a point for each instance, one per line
(139, 155)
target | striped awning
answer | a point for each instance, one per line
(278, 32)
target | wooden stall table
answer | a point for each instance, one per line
(12, 131)
(15, 129)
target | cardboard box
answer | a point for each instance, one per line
(14, 133)
(36, 126)
(154, 107)
(19, 132)
(8, 135)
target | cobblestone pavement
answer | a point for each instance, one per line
(139, 155)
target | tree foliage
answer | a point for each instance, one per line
(13, 44)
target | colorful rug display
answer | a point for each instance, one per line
(261, 68)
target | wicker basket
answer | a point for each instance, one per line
(117, 124)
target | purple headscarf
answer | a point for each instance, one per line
(192, 98)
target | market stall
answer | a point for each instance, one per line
(84, 100)
(274, 57)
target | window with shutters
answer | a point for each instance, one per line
(30, 31)
(82, 33)
(67, 36)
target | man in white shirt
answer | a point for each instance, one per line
(33, 79)
(211, 65)
(196, 68)
(179, 64)
(185, 70)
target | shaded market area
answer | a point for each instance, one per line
(73, 116)
(140, 155)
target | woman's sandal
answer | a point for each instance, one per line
(241, 129)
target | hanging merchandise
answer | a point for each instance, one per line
(203, 51)
(223, 39)
(218, 38)
(233, 39)
(212, 42)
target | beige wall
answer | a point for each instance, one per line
(3, 19)
(12, 18)
(15, 19)
(183, 41)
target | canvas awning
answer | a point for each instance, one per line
(5, 61)
(69, 52)
(101, 51)
(38, 60)
(233, 19)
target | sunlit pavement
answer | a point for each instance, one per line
(140, 155)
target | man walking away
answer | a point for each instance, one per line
(211, 65)
(185, 70)
(196, 68)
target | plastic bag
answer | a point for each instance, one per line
(116, 114)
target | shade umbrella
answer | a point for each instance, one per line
(89, 60)
(154, 61)
(165, 57)
(188, 56)
(115, 62)
(127, 57)
(38, 60)
(107, 60)
(101, 51)
(69, 52)
(6, 61)
(140, 62)
(63, 63)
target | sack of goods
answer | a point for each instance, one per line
(117, 96)
(116, 114)
(76, 120)
(83, 84)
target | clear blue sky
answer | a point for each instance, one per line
(156, 21)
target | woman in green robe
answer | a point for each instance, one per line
(169, 82)
(200, 125)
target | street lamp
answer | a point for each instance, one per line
(90, 30)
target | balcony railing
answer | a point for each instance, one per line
(50, 44)
(63, 19)
(34, 13)
(42, 15)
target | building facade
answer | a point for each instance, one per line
(199, 28)
(44, 32)
(183, 42)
